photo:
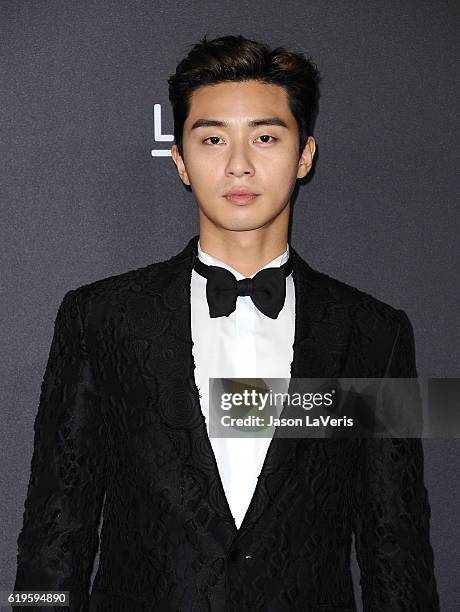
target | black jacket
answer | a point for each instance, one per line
(119, 419)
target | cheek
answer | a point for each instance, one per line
(279, 174)
(200, 174)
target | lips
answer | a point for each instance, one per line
(241, 195)
(241, 198)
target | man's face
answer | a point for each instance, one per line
(261, 159)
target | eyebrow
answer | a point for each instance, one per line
(252, 123)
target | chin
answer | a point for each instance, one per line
(242, 226)
(240, 219)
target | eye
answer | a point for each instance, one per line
(267, 136)
(215, 138)
(212, 137)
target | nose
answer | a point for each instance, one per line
(239, 163)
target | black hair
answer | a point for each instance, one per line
(236, 58)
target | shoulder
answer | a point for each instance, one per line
(110, 293)
(380, 336)
(370, 314)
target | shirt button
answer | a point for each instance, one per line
(237, 555)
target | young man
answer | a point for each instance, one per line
(192, 523)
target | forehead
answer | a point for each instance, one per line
(239, 101)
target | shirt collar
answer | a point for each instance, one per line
(210, 260)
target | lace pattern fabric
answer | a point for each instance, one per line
(119, 418)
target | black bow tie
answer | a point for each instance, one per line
(267, 288)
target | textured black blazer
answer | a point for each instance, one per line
(120, 430)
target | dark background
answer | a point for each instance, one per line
(82, 197)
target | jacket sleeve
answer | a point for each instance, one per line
(391, 512)
(59, 536)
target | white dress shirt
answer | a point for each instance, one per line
(246, 344)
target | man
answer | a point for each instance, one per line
(192, 523)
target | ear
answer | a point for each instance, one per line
(306, 159)
(179, 164)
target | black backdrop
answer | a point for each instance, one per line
(83, 196)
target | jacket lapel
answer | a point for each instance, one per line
(160, 316)
(318, 352)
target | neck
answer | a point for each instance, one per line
(245, 251)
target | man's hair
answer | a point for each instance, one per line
(235, 58)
